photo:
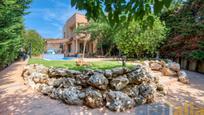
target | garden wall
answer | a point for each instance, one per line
(118, 89)
(191, 65)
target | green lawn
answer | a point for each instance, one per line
(101, 65)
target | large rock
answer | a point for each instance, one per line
(119, 82)
(93, 98)
(174, 66)
(118, 101)
(98, 80)
(82, 80)
(62, 82)
(148, 91)
(38, 86)
(168, 72)
(58, 72)
(73, 72)
(39, 77)
(132, 91)
(183, 78)
(152, 77)
(46, 90)
(88, 72)
(138, 76)
(29, 69)
(55, 82)
(155, 66)
(68, 82)
(57, 93)
(119, 71)
(108, 74)
(73, 96)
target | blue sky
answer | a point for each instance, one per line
(49, 16)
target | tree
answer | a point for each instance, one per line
(11, 29)
(101, 31)
(117, 12)
(186, 30)
(34, 38)
(137, 41)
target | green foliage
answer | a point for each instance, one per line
(187, 20)
(33, 38)
(198, 54)
(11, 28)
(96, 65)
(137, 41)
(186, 30)
(133, 39)
(102, 32)
(120, 11)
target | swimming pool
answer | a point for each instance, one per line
(56, 57)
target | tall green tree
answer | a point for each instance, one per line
(34, 39)
(11, 29)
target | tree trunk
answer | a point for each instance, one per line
(84, 49)
(101, 49)
(109, 51)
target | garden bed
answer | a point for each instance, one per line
(117, 88)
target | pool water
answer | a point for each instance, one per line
(56, 57)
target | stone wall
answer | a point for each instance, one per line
(118, 89)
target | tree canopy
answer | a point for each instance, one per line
(120, 11)
(137, 41)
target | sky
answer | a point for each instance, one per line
(49, 16)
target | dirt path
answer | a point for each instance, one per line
(179, 94)
(18, 99)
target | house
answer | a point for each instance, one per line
(72, 44)
(56, 45)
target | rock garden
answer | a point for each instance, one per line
(118, 89)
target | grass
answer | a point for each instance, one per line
(96, 65)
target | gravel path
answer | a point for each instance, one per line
(18, 99)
